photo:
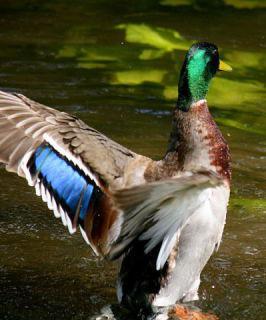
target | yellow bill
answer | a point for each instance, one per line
(224, 66)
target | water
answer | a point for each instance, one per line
(115, 65)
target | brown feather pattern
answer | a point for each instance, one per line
(25, 125)
(21, 117)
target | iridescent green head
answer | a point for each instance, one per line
(200, 65)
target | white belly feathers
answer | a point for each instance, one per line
(198, 239)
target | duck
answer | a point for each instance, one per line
(161, 219)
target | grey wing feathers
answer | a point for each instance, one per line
(156, 212)
(25, 124)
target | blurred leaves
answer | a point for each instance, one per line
(136, 77)
(90, 56)
(235, 93)
(194, 3)
(246, 4)
(238, 94)
(150, 54)
(242, 126)
(160, 38)
(249, 204)
(176, 2)
(238, 4)
(243, 60)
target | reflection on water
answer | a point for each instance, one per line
(240, 4)
(166, 40)
(116, 65)
(161, 38)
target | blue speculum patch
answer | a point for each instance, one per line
(67, 183)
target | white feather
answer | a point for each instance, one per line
(35, 126)
(197, 242)
(16, 115)
(119, 290)
(115, 229)
(158, 211)
(63, 216)
(69, 225)
(41, 131)
(23, 166)
(49, 200)
(74, 159)
(169, 219)
(166, 248)
(27, 121)
(9, 108)
(38, 188)
(55, 208)
(84, 235)
(43, 192)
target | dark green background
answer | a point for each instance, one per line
(115, 64)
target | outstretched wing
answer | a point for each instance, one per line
(73, 168)
(156, 212)
(70, 164)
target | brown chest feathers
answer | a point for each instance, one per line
(198, 143)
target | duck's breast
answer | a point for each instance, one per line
(198, 239)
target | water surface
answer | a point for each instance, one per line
(115, 65)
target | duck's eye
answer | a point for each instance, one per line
(215, 51)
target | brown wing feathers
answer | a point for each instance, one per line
(26, 126)
(16, 119)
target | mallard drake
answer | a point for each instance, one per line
(163, 219)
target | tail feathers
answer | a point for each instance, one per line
(156, 212)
